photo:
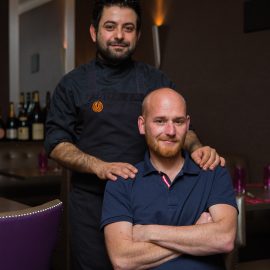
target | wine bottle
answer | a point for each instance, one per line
(27, 103)
(23, 125)
(21, 108)
(36, 120)
(23, 128)
(31, 103)
(12, 124)
(2, 127)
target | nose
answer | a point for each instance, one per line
(170, 129)
(119, 34)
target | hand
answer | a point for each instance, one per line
(204, 218)
(207, 158)
(110, 171)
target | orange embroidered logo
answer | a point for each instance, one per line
(97, 106)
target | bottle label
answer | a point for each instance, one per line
(22, 118)
(37, 131)
(11, 133)
(23, 133)
(2, 133)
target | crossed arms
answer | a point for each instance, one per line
(146, 246)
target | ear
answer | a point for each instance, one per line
(93, 33)
(141, 125)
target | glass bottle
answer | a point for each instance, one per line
(36, 120)
(266, 177)
(42, 161)
(27, 102)
(23, 126)
(31, 102)
(239, 179)
(21, 109)
(2, 127)
(12, 124)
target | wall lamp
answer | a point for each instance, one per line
(159, 16)
(156, 45)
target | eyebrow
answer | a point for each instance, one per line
(165, 117)
(109, 22)
(113, 22)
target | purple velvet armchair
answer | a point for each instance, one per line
(28, 236)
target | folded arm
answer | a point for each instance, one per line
(125, 253)
(200, 239)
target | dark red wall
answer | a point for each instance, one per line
(224, 74)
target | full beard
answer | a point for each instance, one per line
(162, 151)
(115, 56)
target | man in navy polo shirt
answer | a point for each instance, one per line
(173, 215)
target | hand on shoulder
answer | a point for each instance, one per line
(207, 158)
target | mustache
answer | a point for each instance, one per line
(118, 43)
(170, 139)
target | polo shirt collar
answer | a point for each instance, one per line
(189, 166)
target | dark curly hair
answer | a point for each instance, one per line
(100, 4)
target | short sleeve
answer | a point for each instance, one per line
(222, 191)
(116, 202)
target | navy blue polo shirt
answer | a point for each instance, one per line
(148, 200)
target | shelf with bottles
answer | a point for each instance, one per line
(29, 124)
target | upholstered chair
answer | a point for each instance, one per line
(28, 236)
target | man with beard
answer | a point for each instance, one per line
(172, 215)
(91, 125)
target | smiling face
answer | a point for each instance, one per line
(116, 36)
(164, 123)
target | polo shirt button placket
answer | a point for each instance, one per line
(166, 180)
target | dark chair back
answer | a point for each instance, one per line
(231, 259)
(28, 236)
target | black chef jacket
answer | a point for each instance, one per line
(96, 107)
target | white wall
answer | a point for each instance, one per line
(41, 31)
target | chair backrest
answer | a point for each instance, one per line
(231, 259)
(28, 236)
(241, 220)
